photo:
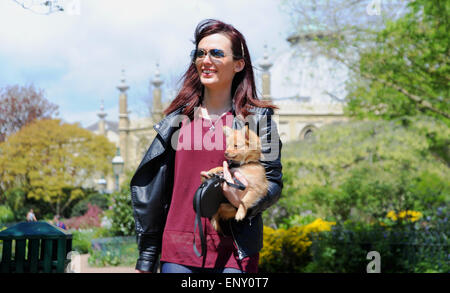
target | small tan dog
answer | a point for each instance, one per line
(243, 147)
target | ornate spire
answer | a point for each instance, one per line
(157, 109)
(102, 114)
(157, 81)
(124, 122)
(123, 87)
(102, 123)
(265, 63)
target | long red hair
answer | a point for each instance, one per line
(243, 88)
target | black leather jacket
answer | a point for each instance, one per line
(152, 183)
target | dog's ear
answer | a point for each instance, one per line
(227, 130)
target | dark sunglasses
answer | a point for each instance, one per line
(213, 53)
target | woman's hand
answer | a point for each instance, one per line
(233, 195)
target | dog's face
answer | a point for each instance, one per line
(243, 146)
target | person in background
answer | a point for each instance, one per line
(31, 217)
(58, 223)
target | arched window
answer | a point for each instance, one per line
(307, 132)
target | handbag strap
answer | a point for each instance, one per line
(238, 184)
(198, 223)
(198, 219)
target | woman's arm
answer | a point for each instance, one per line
(149, 249)
(271, 148)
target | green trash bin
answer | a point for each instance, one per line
(34, 247)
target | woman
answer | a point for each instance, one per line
(218, 89)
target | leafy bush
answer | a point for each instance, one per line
(113, 251)
(101, 232)
(15, 199)
(344, 250)
(81, 240)
(99, 259)
(98, 199)
(6, 214)
(287, 250)
(89, 220)
(121, 214)
(406, 240)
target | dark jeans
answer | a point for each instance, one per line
(168, 267)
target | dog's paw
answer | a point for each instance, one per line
(240, 214)
(215, 224)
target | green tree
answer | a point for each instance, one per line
(407, 70)
(51, 161)
(360, 170)
(399, 59)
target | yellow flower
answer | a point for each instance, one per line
(293, 241)
(402, 214)
(318, 225)
(408, 215)
(414, 216)
(392, 215)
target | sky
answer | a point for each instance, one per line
(77, 56)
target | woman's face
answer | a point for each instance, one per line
(217, 73)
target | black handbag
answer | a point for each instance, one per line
(207, 200)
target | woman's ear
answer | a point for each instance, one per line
(239, 65)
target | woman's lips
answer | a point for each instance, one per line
(208, 72)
